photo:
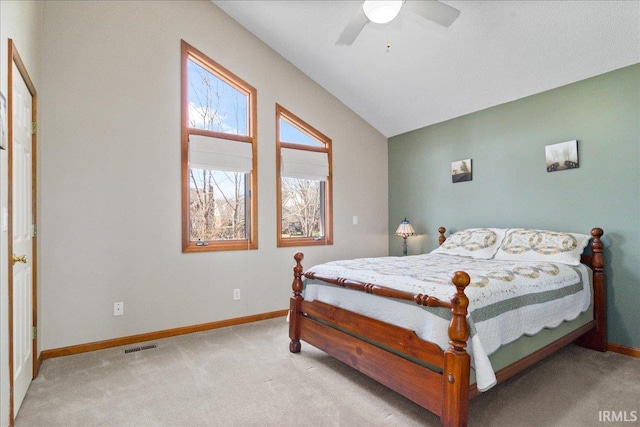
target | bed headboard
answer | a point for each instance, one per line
(441, 239)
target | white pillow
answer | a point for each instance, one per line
(478, 243)
(522, 244)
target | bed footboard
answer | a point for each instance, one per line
(295, 305)
(373, 347)
(596, 338)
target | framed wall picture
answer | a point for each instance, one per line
(4, 129)
(562, 156)
(461, 171)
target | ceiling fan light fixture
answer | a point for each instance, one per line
(381, 12)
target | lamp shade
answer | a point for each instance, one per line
(405, 229)
(381, 12)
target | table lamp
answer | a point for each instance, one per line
(405, 230)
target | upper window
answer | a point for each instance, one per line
(304, 190)
(219, 161)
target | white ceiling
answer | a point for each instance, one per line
(495, 52)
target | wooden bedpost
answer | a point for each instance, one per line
(457, 362)
(295, 304)
(596, 339)
(441, 239)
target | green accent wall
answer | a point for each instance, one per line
(511, 187)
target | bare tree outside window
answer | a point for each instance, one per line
(214, 104)
(217, 202)
(301, 208)
(218, 167)
(217, 214)
(303, 159)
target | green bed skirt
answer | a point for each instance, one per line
(526, 345)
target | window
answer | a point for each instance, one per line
(219, 157)
(303, 163)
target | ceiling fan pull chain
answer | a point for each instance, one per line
(388, 44)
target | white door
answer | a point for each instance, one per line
(22, 206)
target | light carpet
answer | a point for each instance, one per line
(245, 376)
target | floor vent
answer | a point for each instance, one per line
(144, 347)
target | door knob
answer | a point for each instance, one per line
(22, 259)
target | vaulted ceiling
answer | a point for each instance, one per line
(495, 52)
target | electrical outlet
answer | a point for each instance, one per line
(118, 308)
(236, 294)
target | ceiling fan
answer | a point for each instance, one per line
(381, 12)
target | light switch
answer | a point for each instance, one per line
(355, 220)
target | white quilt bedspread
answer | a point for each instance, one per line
(506, 299)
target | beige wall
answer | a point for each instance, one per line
(110, 172)
(20, 21)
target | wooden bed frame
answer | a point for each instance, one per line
(372, 346)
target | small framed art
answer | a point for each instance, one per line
(562, 156)
(461, 171)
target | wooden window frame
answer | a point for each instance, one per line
(251, 242)
(304, 127)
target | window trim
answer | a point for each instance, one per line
(189, 52)
(303, 126)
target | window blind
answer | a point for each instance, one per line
(207, 152)
(303, 164)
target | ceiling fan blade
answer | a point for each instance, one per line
(433, 10)
(353, 28)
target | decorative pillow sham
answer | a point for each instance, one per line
(478, 243)
(522, 244)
